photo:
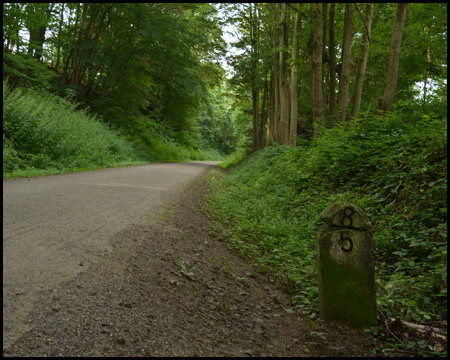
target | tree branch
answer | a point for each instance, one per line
(296, 9)
(367, 30)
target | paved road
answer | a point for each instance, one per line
(53, 224)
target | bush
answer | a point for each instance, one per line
(22, 69)
(42, 131)
(395, 170)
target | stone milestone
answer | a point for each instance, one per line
(346, 266)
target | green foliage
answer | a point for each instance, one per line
(43, 131)
(125, 61)
(22, 69)
(217, 125)
(156, 141)
(188, 273)
(233, 159)
(394, 169)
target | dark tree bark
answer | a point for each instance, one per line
(284, 101)
(332, 103)
(293, 92)
(316, 56)
(346, 58)
(361, 68)
(385, 103)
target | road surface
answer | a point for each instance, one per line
(53, 224)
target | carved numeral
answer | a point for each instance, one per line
(347, 219)
(350, 242)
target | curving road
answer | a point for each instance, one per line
(53, 224)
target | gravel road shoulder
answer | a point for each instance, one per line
(173, 288)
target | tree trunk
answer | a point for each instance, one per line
(332, 53)
(385, 103)
(256, 33)
(293, 92)
(86, 32)
(271, 112)
(277, 103)
(255, 80)
(276, 77)
(37, 38)
(58, 39)
(318, 106)
(361, 68)
(427, 72)
(68, 59)
(346, 58)
(324, 57)
(37, 33)
(273, 84)
(78, 61)
(271, 115)
(263, 115)
(284, 120)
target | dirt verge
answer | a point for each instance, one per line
(173, 288)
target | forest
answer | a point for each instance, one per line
(147, 73)
(317, 102)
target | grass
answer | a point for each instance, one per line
(44, 134)
(155, 142)
(233, 159)
(268, 207)
(32, 172)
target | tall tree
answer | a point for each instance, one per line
(362, 63)
(346, 59)
(316, 58)
(88, 37)
(12, 23)
(276, 74)
(254, 41)
(273, 100)
(276, 77)
(264, 114)
(37, 20)
(284, 100)
(59, 34)
(385, 103)
(332, 55)
(293, 92)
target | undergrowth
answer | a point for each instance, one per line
(268, 208)
(45, 134)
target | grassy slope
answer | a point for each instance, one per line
(396, 171)
(44, 134)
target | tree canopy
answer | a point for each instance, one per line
(301, 66)
(123, 60)
(342, 66)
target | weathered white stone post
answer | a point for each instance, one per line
(346, 266)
